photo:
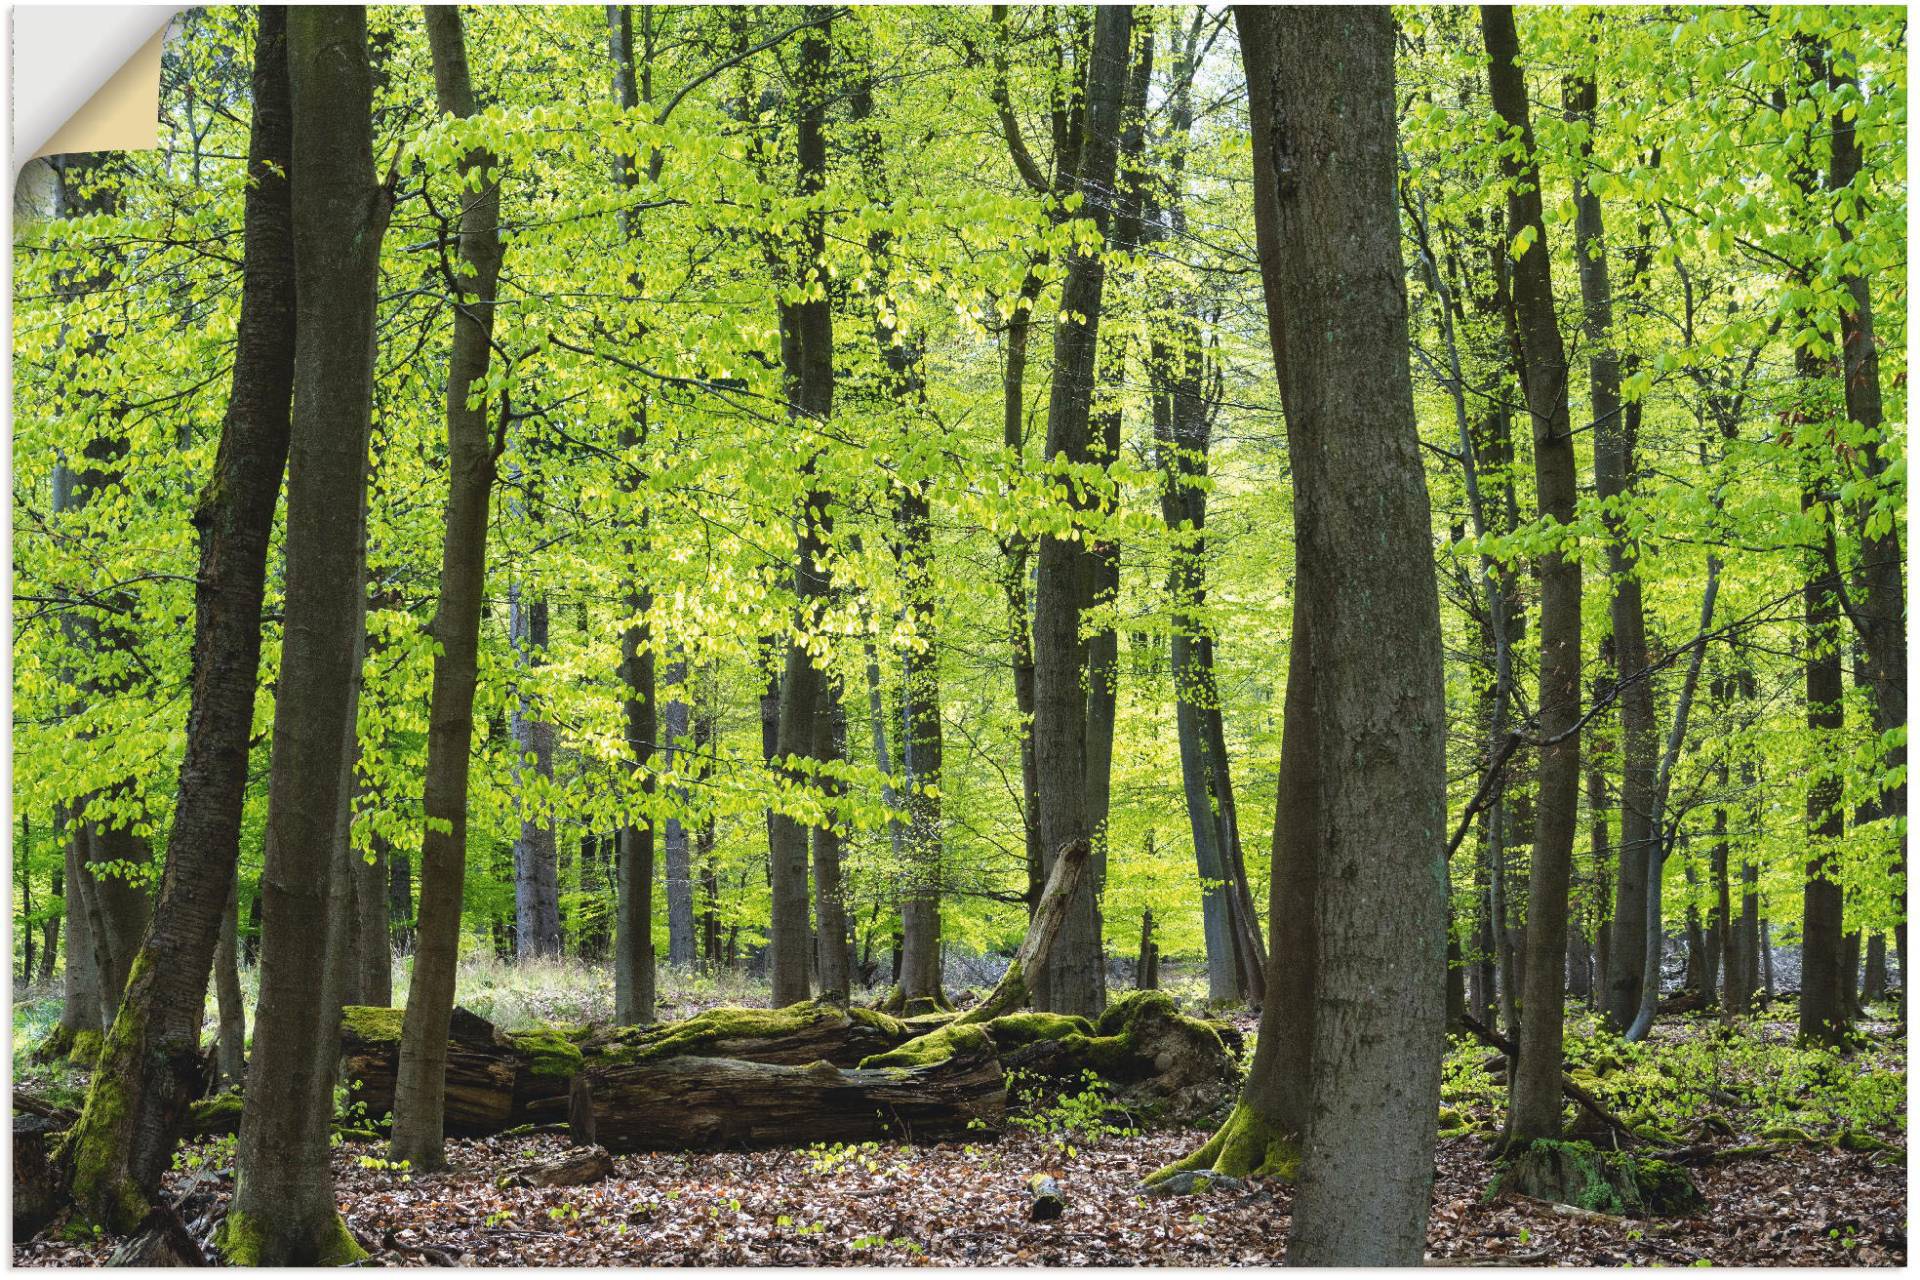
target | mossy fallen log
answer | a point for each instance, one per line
(714, 1104)
(494, 1079)
(1157, 1062)
(811, 1031)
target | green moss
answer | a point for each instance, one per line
(219, 1114)
(1128, 1007)
(885, 1023)
(86, 1048)
(372, 1023)
(549, 1051)
(934, 1048)
(1013, 1029)
(695, 1035)
(243, 1243)
(1248, 1145)
(104, 1194)
(57, 1045)
(1615, 1182)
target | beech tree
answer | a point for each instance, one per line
(283, 1211)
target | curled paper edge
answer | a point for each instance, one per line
(85, 78)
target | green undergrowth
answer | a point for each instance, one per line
(1697, 1078)
(1587, 1177)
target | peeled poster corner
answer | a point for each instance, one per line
(85, 78)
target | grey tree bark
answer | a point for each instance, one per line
(810, 377)
(679, 868)
(283, 1211)
(1364, 761)
(536, 854)
(1535, 1112)
(1075, 978)
(149, 1069)
(420, 1090)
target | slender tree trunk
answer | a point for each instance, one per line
(536, 884)
(148, 1072)
(283, 1211)
(680, 939)
(1536, 1083)
(810, 376)
(80, 980)
(1823, 1010)
(420, 1087)
(1182, 442)
(232, 1058)
(830, 745)
(1873, 983)
(1880, 610)
(1614, 481)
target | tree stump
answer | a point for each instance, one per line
(1612, 1182)
(39, 1194)
(160, 1241)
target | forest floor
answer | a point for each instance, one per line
(1802, 1203)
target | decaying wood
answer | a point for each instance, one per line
(712, 1104)
(39, 1192)
(161, 1241)
(484, 1094)
(818, 1031)
(1049, 916)
(1048, 1200)
(37, 1106)
(574, 1169)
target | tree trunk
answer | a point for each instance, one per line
(536, 886)
(232, 1060)
(1535, 1110)
(1075, 981)
(680, 939)
(1823, 1011)
(1103, 556)
(472, 457)
(1873, 983)
(1347, 1064)
(1181, 431)
(1880, 610)
(150, 1068)
(283, 1210)
(808, 333)
(1614, 482)
(829, 894)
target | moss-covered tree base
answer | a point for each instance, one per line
(1248, 1145)
(246, 1242)
(1582, 1175)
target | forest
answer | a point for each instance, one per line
(1015, 635)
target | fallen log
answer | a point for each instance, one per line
(574, 1169)
(713, 1104)
(494, 1079)
(810, 1031)
(33, 1105)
